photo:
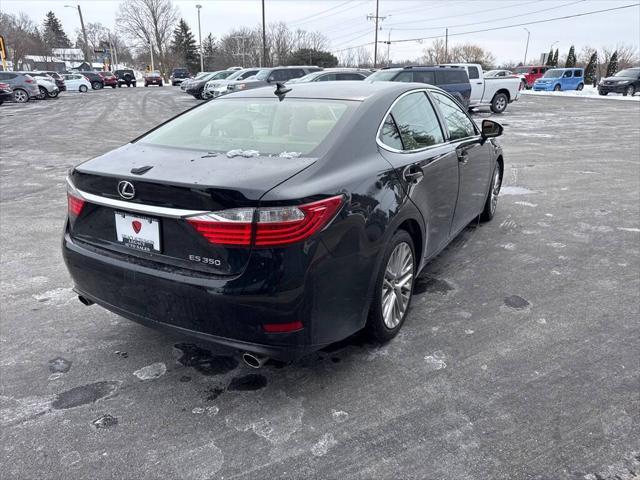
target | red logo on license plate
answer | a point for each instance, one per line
(137, 226)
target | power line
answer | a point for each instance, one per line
(419, 39)
(496, 19)
(329, 11)
(502, 7)
(519, 24)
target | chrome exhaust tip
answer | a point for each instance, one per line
(85, 301)
(254, 360)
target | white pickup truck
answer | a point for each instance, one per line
(496, 92)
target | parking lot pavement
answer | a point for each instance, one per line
(519, 359)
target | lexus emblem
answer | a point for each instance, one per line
(126, 190)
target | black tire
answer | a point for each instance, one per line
(23, 96)
(630, 91)
(43, 93)
(83, 89)
(160, 84)
(146, 85)
(557, 88)
(113, 86)
(499, 103)
(580, 86)
(376, 326)
(53, 95)
(491, 203)
(603, 93)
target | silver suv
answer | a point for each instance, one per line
(267, 76)
(24, 86)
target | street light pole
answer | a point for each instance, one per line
(264, 39)
(200, 40)
(87, 55)
(153, 67)
(526, 50)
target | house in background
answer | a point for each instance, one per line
(42, 62)
(68, 54)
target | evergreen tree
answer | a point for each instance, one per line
(550, 58)
(184, 46)
(571, 58)
(612, 68)
(52, 33)
(590, 69)
(555, 58)
(210, 51)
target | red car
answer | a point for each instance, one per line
(153, 78)
(531, 73)
(109, 78)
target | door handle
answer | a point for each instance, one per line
(413, 174)
(478, 83)
(463, 156)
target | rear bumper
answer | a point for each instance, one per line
(226, 310)
(543, 88)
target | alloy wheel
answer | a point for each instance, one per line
(20, 96)
(397, 285)
(630, 90)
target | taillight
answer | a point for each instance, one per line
(269, 227)
(29, 80)
(75, 205)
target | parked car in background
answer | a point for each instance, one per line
(153, 78)
(333, 74)
(58, 79)
(266, 76)
(505, 73)
(277, 246)
(23, 85)
(626, 82)
(215, 88)
(76, 82)
(109, 79)
(178, 75)
(196, 87)
(6, 92)
(185, 83)
(125, 77)
(560, 79)
(95, 79)
(496, 93)
(46, 85)
(531, 73)
(452, 80)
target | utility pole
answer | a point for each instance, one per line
(200, 40)
(87, 53)
(264, 39)
(446, 45)
(526, 49)
(377, 18)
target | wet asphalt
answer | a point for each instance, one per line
(519, 359)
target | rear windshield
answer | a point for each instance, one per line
(264, 125)
(553, 73)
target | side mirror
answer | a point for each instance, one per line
(491, 129)
(270, 79)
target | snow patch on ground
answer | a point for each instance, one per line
(155, 370)
(625, 229)
(435, 361)
(527, 204)
(515, 191)
(587, 92)
(323, 445)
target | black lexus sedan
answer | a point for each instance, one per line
(282, 219)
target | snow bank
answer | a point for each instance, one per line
(587, 92)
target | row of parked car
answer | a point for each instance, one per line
(466, 82)
(27, 85)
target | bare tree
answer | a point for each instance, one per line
(21, 36)
(434, 53)
(150, 22)
(363, 58)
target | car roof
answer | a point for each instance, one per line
(345, 90)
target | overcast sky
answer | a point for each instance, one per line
(345, 22)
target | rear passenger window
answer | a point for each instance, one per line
(327, 78)
(577, 73)
(473, 73)
(417, 122)
(448, 77)
(424, 77)
(458, 123)
(349, 76)
(534, 70)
